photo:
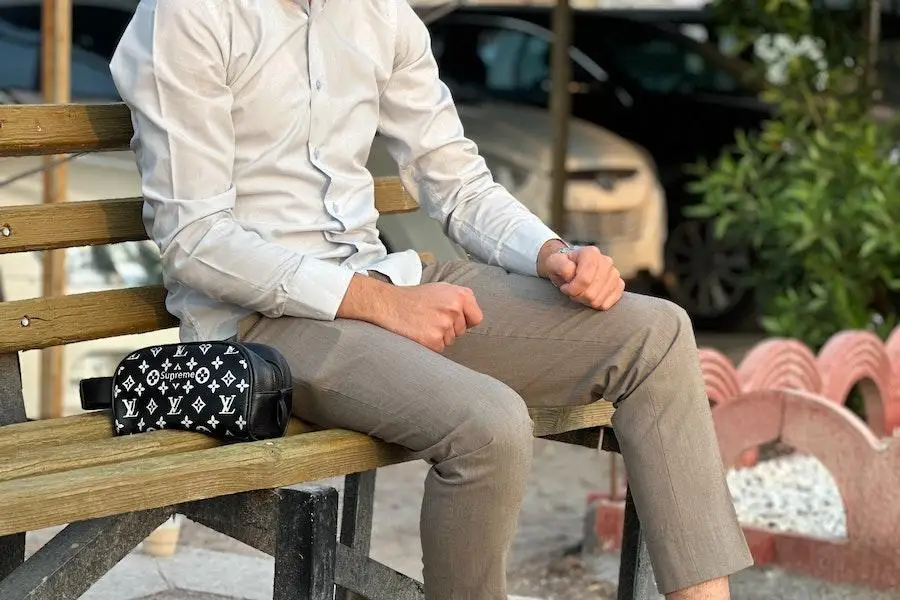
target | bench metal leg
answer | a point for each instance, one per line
(249, 517)
(297, 526)
(356, 520)
(589, 438)
(12, 410)
(305, 545)
(358, 576)
(78, 556)
(636, 581)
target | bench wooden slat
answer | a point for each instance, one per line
(59, 320)
(34, 435)
(86, 440)
(95, 426)
(553, 421)
(95, 222)
(46, 500)
(71, 224)
(40, 129)
(104, 449)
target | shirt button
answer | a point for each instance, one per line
(318, 84)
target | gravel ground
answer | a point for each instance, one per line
(593, 578)
(564, 578)
(790, 493)
(183, 595)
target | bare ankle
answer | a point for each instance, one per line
(716, 589)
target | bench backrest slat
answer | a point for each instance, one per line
(45, 322)
(70, 224)
(44, 129)
(40, 129)
(66, 225)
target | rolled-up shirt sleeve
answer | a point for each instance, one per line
(442, 167)
(170, 69)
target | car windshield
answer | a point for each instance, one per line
(661, 60)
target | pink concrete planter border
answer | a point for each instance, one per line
(782, 391)
(849, 358)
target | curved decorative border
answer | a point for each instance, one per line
(849, 359)
(782, 391)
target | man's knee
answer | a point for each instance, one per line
(661, 325)
(671, 321)
(496, 424)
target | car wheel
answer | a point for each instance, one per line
(706, 275)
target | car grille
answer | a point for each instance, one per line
(603, 226)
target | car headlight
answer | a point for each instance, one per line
(508, 175)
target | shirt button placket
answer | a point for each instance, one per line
(313, 44)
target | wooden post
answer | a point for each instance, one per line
(56, 51)
(560, 110)
(872, 31)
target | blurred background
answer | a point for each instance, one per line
(739, 158)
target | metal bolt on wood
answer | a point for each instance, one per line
(5, 231)
(25, 321)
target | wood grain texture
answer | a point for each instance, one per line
(36, 502)
(54, 445)
(391, 198)
(34, 435)
(51, 226)
(96, 222)
(87, 440)
(551, 421)
(79, 317)
(41, 129)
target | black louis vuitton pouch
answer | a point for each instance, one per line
(230, 390)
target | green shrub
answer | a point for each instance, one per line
(816, 196)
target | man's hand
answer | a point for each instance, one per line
(586, 275)
(433, 314)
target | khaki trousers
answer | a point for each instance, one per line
(465, 412)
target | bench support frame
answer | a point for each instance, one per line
(12, 410)
(636, 580)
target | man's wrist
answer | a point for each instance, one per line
(366, 299)
(549, 248)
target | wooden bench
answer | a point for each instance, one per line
(114, 491)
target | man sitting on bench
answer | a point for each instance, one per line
(254, 120)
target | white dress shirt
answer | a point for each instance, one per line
(253, 124)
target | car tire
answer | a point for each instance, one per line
(705, 276)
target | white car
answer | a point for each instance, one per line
(613, 198)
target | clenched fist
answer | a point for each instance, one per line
(585, 274)
(433, 314)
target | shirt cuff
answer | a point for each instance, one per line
(520, 252)
(317, 289)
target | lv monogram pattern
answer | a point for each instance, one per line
(198, 387)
